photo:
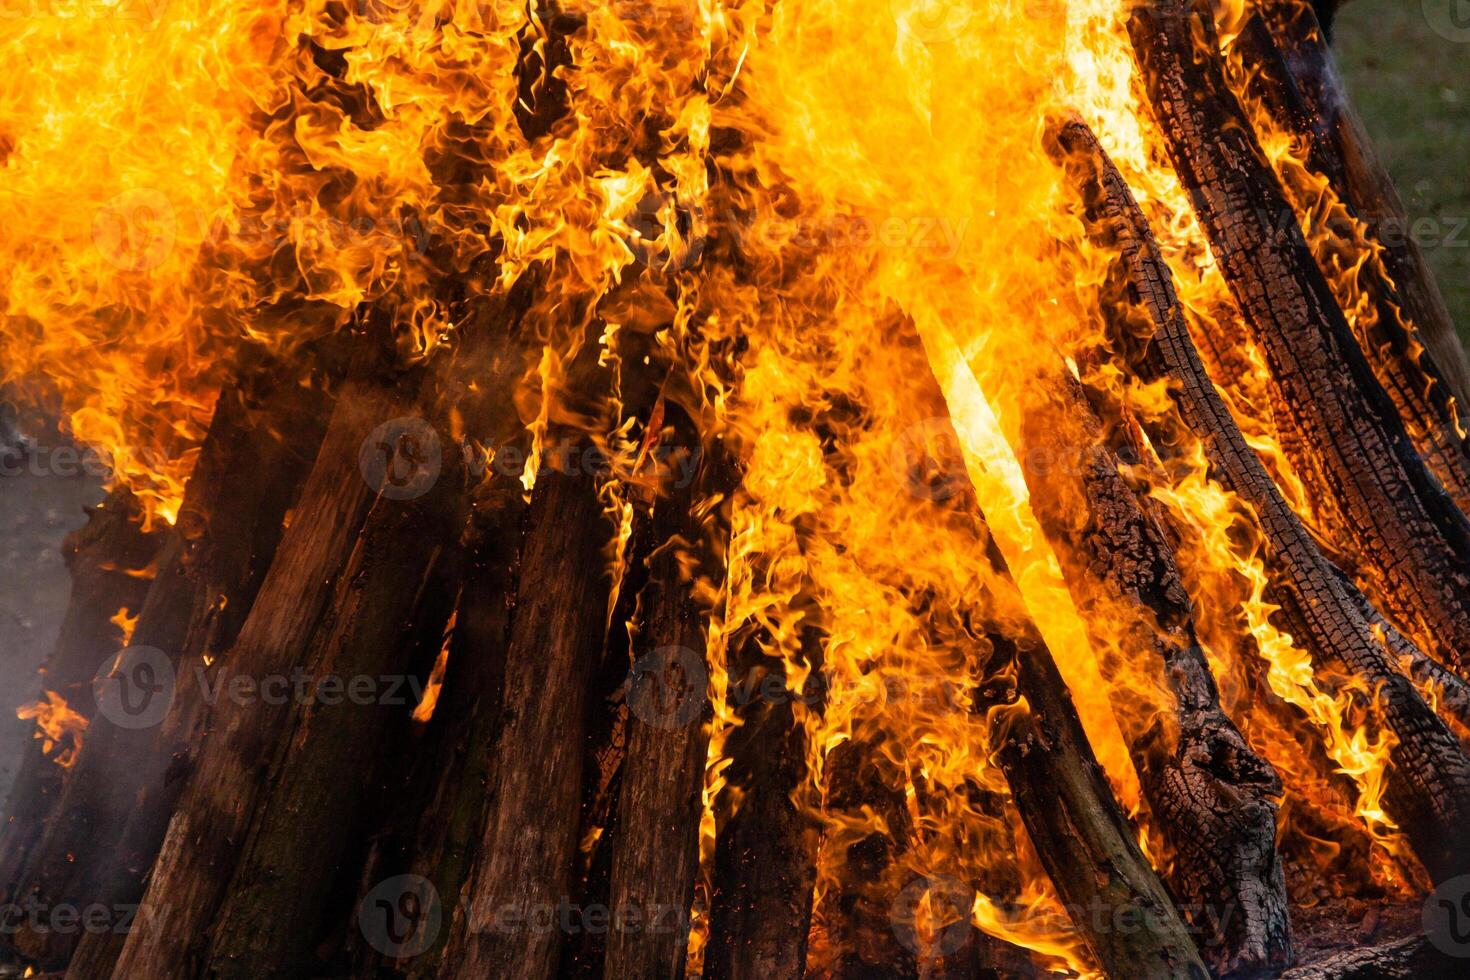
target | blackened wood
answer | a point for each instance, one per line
(1074, 821)
(656, 855)
(864, 785)
(259, 446)
(1413, 958)
(765, 854)
(1212, 797)
(1290, 72)
(191, 876)
(508, 925)
(385, 630)
(111, 560)
(1365, 183)
(1428, 786)
(1349, 447)
(1076, 825)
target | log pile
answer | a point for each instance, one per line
(454, 681)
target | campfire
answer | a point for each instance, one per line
(675, 488)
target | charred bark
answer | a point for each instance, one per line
(228, 528)
(761, 909)
(521, 874)
(1429, 786)
(1413, 958)
(1349, 445)
(1210, 795)
(111, 560)
(1074, 821)
(1291, 74)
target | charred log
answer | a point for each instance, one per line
(765, 854)
(1349, 445)
(1429, 787)
(227, 531)
(190, 879)
(1291, 74)
(1211, 796)
(528, 839)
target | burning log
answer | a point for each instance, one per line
(96, 848)
(1074, 821)
(656, 857)
(521, 872)
(760, 913)
(1413, 958)
(111, 559)
(1350, 446)
(190, 879)
(1429, 788)
(1292, 75)
(1211, 796)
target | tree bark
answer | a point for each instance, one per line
(1349, 446)
(1210, 795)
(227, 530)
(1290, 72)
(527, 843)
(1428, 790)
(112, 561)
(293, 610)
(1413, 958)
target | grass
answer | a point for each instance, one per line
(1411, 86)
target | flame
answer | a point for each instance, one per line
(125, 624)
(199, 185)
(58, 727)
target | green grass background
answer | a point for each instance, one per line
(1412, 87)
